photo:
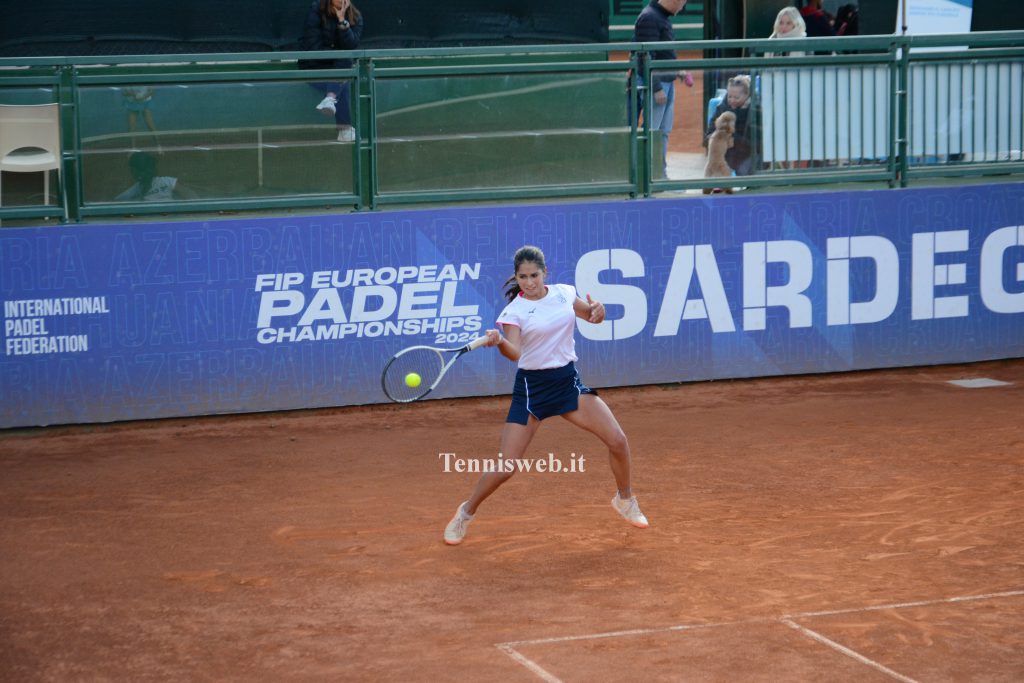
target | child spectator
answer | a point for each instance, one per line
(149, 187)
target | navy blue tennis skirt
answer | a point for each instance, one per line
(546, 393)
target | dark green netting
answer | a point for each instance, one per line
(102, 27)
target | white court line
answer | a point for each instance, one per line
(509, 647)
(575, 82)
(544, 674)
(978, 383)
(634, 632)
(529, 664)
(904, 605)
(485, 136)
(814, 635)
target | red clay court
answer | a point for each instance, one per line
(862, 526)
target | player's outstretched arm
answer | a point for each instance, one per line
(590, 310)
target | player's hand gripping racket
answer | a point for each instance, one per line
(413, 373)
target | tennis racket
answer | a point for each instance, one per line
(429, 363)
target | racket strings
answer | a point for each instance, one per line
(427, 363)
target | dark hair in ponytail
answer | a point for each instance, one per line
(527, 254)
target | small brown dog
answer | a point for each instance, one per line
(718, 143)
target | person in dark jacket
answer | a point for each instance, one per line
(333, 25)
(817, 21)
(737, 100)
(654, 25)
(847, 21)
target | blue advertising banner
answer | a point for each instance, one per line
(115, 322)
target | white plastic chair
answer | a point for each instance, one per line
(30, 141)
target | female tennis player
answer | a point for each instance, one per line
(538, 324)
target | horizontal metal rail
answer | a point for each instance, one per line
(523, 192)
(499, 69)
(196, 206)
(837, 44)
(214, 77)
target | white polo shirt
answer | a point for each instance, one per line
(547, 327)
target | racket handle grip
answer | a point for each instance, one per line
(477, 343)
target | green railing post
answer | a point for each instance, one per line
(635, 174)
(70, 178)
(647, 93)
(892, 144)
(903, 96)
(372, 144)
(365, 154)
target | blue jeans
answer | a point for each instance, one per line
(661, 118)
(342, 110)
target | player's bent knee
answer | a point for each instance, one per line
(618, 443)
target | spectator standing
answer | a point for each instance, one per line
(847, 21)
(654, 25)
(817, 21)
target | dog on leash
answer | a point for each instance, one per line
(720, 141)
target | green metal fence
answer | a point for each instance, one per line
(236, 132)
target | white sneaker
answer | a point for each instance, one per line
(456, 529)
(630, 509)
(347, 135)
(326, 106)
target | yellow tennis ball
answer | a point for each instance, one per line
(412, 380)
